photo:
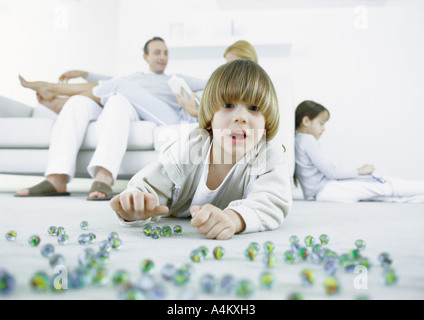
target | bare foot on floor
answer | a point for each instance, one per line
(41, 87)
(55, 105)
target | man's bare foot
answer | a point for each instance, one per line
(55, 105)
(41, 87)
(58, 181)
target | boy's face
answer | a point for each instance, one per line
(316, 127)
(237, 128)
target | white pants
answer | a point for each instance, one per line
(353, 190)
(113, 126)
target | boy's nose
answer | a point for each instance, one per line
(240, 115)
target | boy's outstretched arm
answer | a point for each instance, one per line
(216, 223)
(137, 205)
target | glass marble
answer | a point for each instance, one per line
(315, 258)
(52, 231)
(92, 238)
(77, 279)
(244, 288)
(309, 241)
(208, 283)
(294, 240)
(84, 256)
(269, 246)
(155, 234)
(116, 243)
(296, 296)
(121, 277)
(227, 284)
(266, 280)
(62, 239)
(100, 276)
(130, 292)
(11, 236)
(255, 246)
(104, 256)
(60, 231)
(364, 262)
(324, 239)
(147, 265)
(331, 266)
(84, 225)
(112, 235)
(177, 229)
(168, 272)
(188, 267)
(7, 283)
(204, 250)
(34, 241)
(269, 260)
(318, 249)
(302, 253)
(250, 253)
(355, 254)
(307, 277)
(290, 257)
(56, 260)
(331, 286)
(196, 256)
(147, 282)
(218, 252)
(389, 277)
(147, 230)
(166, 231)
(385, 260)
(40, 282)
(84, 239)
(360, 244)
(105, 245)
(47, 251)
(181, 277)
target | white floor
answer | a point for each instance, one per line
(393, 228)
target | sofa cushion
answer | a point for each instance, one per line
(16, 133)
(34, 133)
(141, 136)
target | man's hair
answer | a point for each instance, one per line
(240, 81)
(146, 49)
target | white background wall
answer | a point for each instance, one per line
(363, 60)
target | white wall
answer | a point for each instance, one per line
(361, 59)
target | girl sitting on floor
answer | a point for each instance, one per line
(323, 180)
(229, 174)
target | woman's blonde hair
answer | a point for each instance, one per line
(242, 49)
(240, 81)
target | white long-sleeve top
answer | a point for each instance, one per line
(257, 188)
(313, 168)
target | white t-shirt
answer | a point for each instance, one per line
(203, 194)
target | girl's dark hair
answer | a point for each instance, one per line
(308, 109)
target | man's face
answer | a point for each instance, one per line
(157, 56)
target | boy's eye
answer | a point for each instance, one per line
(254, 108)
(228, 105)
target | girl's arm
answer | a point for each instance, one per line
(329, 169)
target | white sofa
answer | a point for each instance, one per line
(25, 136)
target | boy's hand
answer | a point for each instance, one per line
(216, 223)
(137, 205)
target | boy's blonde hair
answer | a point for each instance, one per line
(242, 49)
(240, 81)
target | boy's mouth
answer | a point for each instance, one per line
(238, 136)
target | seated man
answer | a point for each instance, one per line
(114, 104)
